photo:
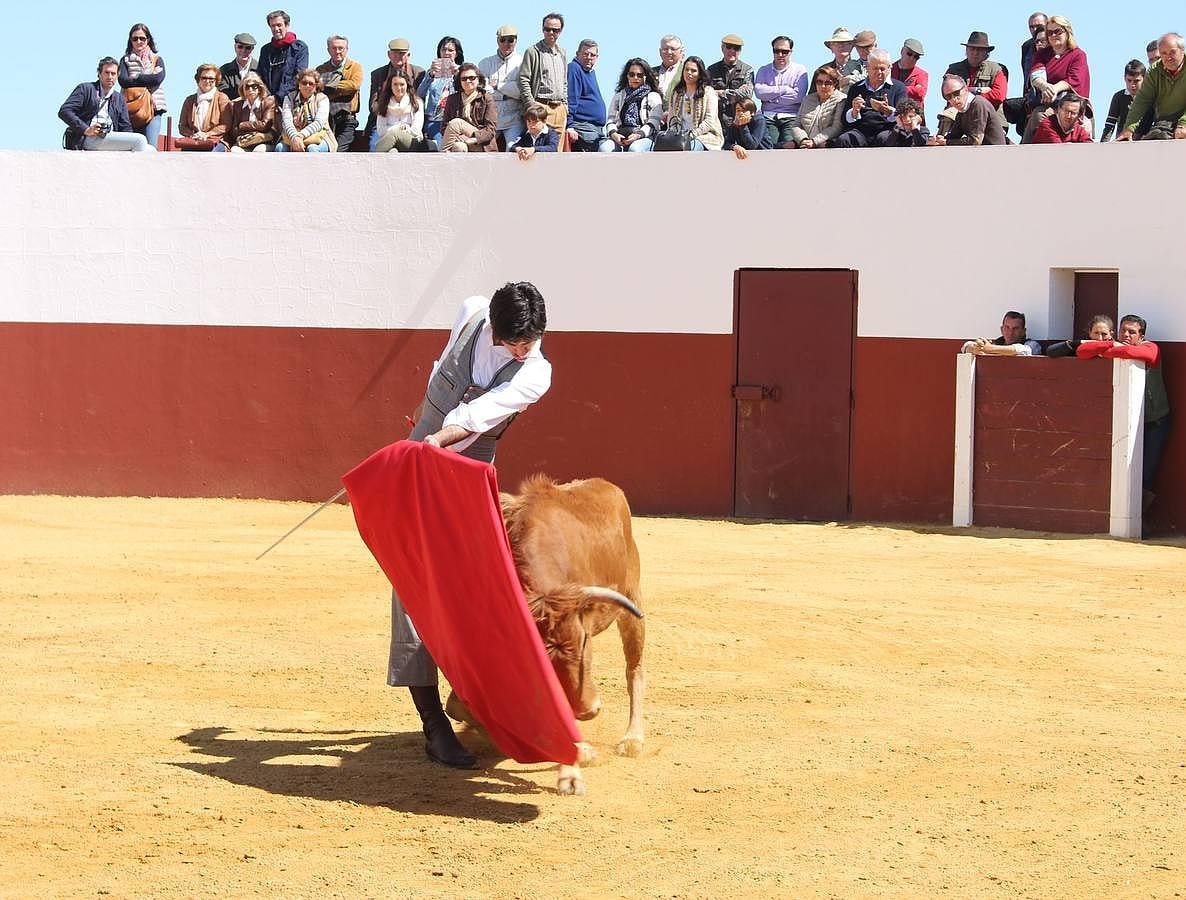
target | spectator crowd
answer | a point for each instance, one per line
(536, 99)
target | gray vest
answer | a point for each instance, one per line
(453, 384)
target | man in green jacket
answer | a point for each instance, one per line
(1164, 89)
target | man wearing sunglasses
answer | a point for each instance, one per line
(543, 74)
(502, 83)
(232, 74)
(782, 88)
(910, 73)
(731, 78)
(976, 123)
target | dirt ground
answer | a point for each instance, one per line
(832, 711)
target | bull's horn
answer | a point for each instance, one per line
(604, 593)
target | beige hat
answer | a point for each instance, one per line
(839, 36)
(865, 39)
(507, 31)
(733, 39)
(913, 44)
(399, 44)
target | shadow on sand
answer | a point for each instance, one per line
(387, 770)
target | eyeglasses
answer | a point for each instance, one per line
(1053, 31)
(635, 74)
(251, 87)
(239, 46)
(138, 39)
(734, 47)
(550, 30)
(206, 78)
(778, 51)
(508, 40)
(910, 53)
(952, 94)
(826, 81)
(468, 78)
(309, 83)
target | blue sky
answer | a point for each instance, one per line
(188, 34)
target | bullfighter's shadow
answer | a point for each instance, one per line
(387, 770)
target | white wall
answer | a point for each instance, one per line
(945, 239)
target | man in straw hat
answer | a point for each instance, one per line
(841, 44)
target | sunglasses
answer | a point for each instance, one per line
(950, 95)
(251, 87)
(468, 78)
(780, 52)
(508, 40)
(635, 74)
(239, 46)
(1053, 31)
(139, 39)
(734, 47)
(309, 83)
(910, 53)
(548, 30)
(206, 78)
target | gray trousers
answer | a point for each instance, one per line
(408, 662)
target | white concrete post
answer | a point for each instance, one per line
(1128, 451)
(965, 423)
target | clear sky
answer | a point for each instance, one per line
(187, 34)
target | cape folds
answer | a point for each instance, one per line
(433, 521)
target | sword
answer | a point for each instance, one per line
(300, 523)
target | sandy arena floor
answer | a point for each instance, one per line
(832, 711)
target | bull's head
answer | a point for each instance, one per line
(566, 619)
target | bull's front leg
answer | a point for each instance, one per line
(632, 631)
(569, 779)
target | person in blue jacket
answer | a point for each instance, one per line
(281, 59)
(96, 115)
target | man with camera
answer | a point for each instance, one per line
(731, 78)
(96, 115)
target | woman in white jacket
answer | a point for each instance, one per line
(399, 118)
(635, 112)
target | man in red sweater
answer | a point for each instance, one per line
(1064, 125)
(910, 73)
(1133, 345)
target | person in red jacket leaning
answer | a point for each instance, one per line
(1134, 345)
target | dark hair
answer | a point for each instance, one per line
(384, 96)
(1152, 45)
(449, 39)
(469, 67)
(747, 103)
(1140, 323)
(1014, 314)
(908, 105)
(139, 26)
(1106, 320)
(1135, 67)
(535, 112)
(278, 12)
(829, 71)
(782, 37)
(517, 312)
(106, 61)
(542, 23)
(1068, 97)
(701, 82)
(648, 74)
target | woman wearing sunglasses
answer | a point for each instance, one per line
(470, 119)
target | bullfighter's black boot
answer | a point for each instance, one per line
(441, 743)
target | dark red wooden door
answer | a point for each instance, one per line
(1096, 294)
(795, 333)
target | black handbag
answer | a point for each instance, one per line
(674, 140)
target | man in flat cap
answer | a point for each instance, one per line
(399, 58)
(502, 83)
(731, 78)
(864, 43)
(232, 73)
(910, 73)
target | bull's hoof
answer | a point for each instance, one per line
(456, 709)
(630, 746)
(570, 785)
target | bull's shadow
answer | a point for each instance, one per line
(387, 770)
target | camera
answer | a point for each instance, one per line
(104, 129)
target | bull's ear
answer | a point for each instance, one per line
(608, 595)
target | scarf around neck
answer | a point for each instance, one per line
(632, 105)
(285, 41)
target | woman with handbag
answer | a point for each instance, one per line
(252, 126)
(471, 121)
(304, 118)
(204, 115)
(141, 74)
(635, 111)
(692, 114)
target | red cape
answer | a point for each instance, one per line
(433, 521)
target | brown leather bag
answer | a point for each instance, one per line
(139, 101)
(188, 143)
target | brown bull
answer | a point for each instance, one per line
(578, 565)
